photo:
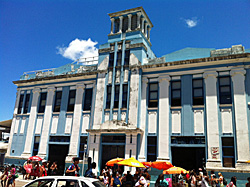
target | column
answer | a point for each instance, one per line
(241, 123)
(112, 25)
(142, 154)
(75, 133)
(163, 136)
(138, 20)
(148, 35)
(43, 146)
(120, 28)
(13, 122)
(213, 138)
(32, 121)
(129, 22)
(93, 148)
(142, 25)
(146, 30)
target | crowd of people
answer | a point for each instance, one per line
(8, 176)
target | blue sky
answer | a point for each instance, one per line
(32, 32)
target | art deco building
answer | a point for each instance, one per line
(190, 107)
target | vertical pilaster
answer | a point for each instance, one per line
(32, 121)
(46, 123)
(142, 25)
(74, 139)
(93, 149)
(13, 122)
(241, 123)
(138, 20)
(212, 118)
(163, 109)
(129, 22)
(146, 30)
(142, 155)
(120, 28)
(112, 25)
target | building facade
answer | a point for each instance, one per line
(190, 107)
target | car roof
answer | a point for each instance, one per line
(69, 177)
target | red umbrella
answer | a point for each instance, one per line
(147, 164)
(35, 158)
(161, 165)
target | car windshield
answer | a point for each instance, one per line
(98, 184)
(41, 183)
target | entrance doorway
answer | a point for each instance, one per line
(58, 153)
(188, 157)
(112, 151)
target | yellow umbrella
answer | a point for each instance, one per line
(175, 170)
(132, 162)
(248, 161)
(114, 161)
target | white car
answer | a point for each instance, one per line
(65, 181)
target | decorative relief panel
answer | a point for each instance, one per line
(152, 122)
(198, 121)
(23, 125)
(85, 123)
(17, 125)
(226, 120)
(123, 116)
(54, 124)
(115, 115)
(39, 123)
(176, 121)
(69, 119)
(106, 116)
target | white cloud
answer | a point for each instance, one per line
(79, 49)
(191, 22)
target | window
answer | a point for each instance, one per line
(42, 104)
(108, 100)
(198, 98)
(71, 101)
(127, 55)
(133, 22)
(176, 93)
(67, 183)
(41, 183)
(153, 95)
(117, 25)
(225, 90)
(26, 104)
(88, 99)
(58, 100)
(36, 145)
(228, 152)
(119, 58)
(83, 142)
(20, 105)
(124, 96)
(117, 91)
(111, 59)
(151, 148)
(124, 24)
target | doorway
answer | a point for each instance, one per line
(58, 153)
(188, 157)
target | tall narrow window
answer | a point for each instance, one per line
(42, 104)
(133, 22)
(36, 145)
(119, 58)
(117, 25)
(88, 99)
(83, 142)
(225, 90)
(124, 96)
(108, 100)
(198, 98)
(151, 148)
(20, 105)
(116, 100)
(176, 93)
(71, 101)
(228, 152)
(125, 24)
(111, 59)
(153, 95)
(127, 55)
(26, 104)
(58, 100)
